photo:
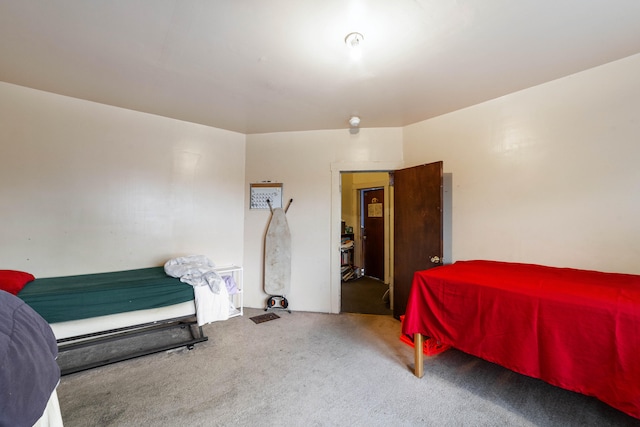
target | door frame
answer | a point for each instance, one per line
(336, 219)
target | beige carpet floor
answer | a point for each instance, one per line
(312, 369)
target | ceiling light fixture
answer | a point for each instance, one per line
(354, 39)
(354, 123)
(353, 42)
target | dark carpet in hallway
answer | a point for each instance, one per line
(365, 296)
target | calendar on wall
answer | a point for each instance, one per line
(263, 191)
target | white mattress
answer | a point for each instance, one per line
(92, 325)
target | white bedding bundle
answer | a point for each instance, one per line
(211, 294)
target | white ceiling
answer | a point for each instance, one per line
(256, 66)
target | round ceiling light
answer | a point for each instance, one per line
(353, 40)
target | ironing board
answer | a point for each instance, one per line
(277, 262)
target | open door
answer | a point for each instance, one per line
(417, 227)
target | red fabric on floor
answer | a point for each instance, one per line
(576, 329)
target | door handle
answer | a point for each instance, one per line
(436, 259)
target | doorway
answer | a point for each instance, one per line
(343, 183)
(365, 212)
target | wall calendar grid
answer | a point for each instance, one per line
(263, 191)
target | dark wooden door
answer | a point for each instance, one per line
(373, 232)
(417, 227)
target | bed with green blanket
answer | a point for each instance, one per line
(93, 308)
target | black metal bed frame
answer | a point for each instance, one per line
(86, 340)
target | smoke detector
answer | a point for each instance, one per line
(354, 121)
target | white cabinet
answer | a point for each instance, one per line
(235, 297)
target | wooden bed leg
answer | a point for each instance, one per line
(418, 343)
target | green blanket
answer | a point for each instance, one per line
(60, 299)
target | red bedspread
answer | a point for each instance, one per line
(576, 329)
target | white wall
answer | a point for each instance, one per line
(309, 164)
(87, 188)
(547, 175)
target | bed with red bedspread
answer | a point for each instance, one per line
(575, 329)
